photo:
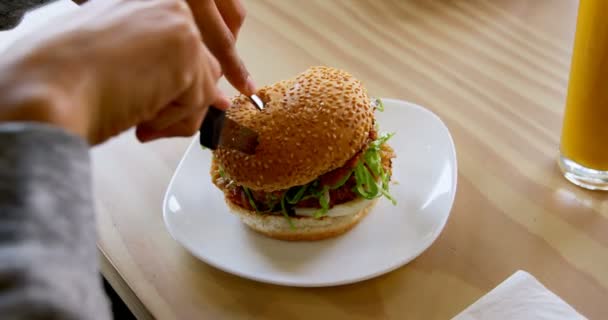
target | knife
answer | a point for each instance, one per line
(219, 130)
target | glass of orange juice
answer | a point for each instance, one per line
(584, 142)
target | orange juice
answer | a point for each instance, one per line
(585, 128)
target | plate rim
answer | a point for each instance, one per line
(391, 267)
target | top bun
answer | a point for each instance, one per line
(310, 125)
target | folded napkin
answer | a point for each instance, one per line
(520, 297)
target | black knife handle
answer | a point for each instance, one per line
(211, 128)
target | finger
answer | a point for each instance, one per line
(184, 128)
(145, 133)
(192, 98)
(201, 93)
(233, 13)
(217, 99)
(176, 113)
(213, 64)
(220, 41)
(221, 101)
(166, 117)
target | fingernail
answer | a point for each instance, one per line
(250, 86)
(222, 102)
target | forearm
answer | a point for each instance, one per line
(36, 87)
(48, 261)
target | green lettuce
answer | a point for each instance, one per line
(323, 202)
(250, 198)
(379, 105)
(372, 181)
(284, 211)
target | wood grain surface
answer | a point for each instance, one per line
(495, 71)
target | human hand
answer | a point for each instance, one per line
(219, 22)
(112, 65)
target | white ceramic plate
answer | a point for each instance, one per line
(390, 236)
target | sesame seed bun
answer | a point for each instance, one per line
(310, 125)
(306, 228)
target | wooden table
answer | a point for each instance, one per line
(495, 71)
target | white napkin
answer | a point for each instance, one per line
(520, 297)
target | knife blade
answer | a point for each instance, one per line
(219, 130)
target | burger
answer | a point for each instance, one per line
(320, 164)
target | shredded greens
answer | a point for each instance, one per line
(285, 213)
(379, 105)
(372, 180)
(324, 202)
(341, 182)
(250, 198)
(272, 202)
(297, 196)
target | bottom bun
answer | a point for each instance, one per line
(306, 228)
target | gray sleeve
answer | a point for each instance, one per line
(48, 256)
(12, 11)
